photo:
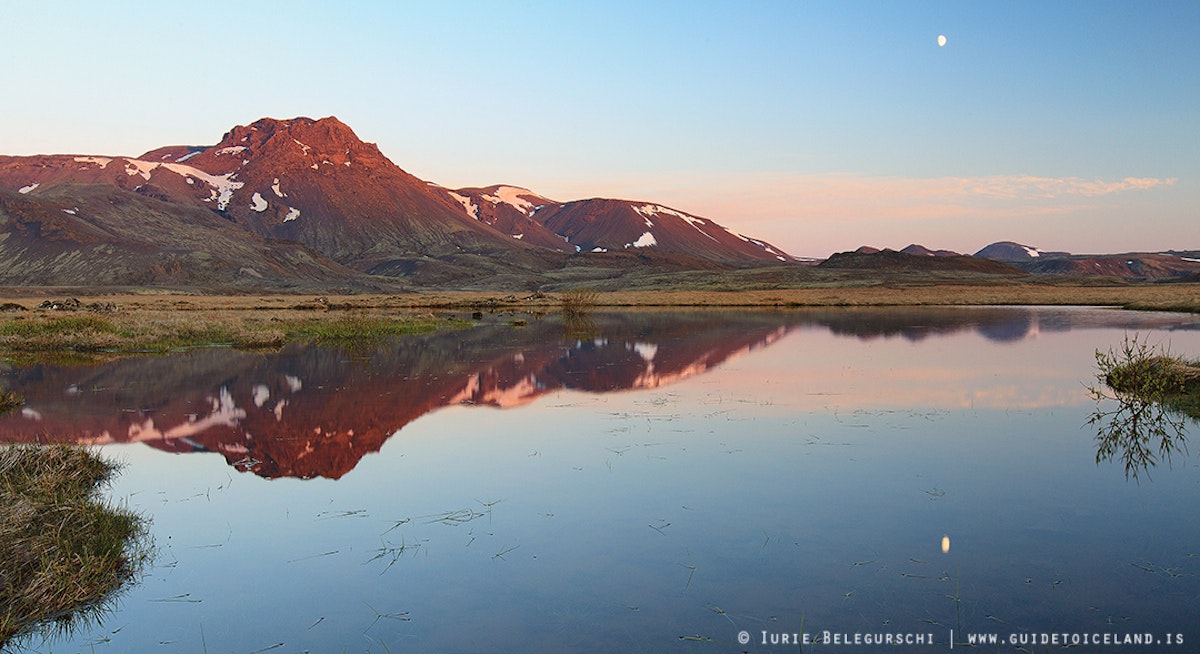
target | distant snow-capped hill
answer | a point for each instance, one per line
(510, 210)
(605, 225)
(1011, 251)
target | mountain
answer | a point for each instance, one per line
(1134, 266)
(603, 225)
(914, 249)
(510, 210)
(890, 260)
(1137, 266)
(921, 250)
(313, 186)
(1011, 251)
(99, 235)
(607, 225)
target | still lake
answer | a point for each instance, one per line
(649, 481)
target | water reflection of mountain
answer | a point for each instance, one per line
(316, 411)
(999, 324)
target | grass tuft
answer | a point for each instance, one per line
(1140, 370)
(578, 302)
(64, 553)
(9, 400)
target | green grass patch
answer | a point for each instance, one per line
(65, 326)
(1151, 374)
(353, 328)
(64, 552)
(40, 339)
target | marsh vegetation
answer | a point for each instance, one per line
(64, 551)
(9, 401)
(54, 334)
(1145, 396)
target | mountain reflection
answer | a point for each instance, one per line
(309, 411)
(316, 411)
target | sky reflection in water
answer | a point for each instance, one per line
(675, 477)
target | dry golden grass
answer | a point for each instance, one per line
(148, 322)
(63, 551)
(900, 293)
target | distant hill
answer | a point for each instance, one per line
(1133, 266)
(915, 249)
(890, 260)
(921, 250)
(1010, 251)
(1137, 266)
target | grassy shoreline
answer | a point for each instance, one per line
(900, 292)
(64, 551)
(159, 322)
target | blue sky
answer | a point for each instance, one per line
(820, 126)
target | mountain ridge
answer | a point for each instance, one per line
(315, 184)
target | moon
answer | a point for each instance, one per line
(941, 40)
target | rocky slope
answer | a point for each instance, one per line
(100, 235)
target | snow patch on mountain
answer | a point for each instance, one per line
(222, 186)
(655, 209)
(1033, 252)
(101, 161)
(761, 244)
(275, 187)
(698, 224)
(139, 167)
(257, 203)
(234, 149)
(511, 195)
(185, 157)
(471, 209)
(644, 241)
(292, 214)
(25, 189)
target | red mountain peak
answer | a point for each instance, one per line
(288, 145)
